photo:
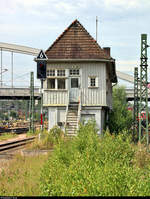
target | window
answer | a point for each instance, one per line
(56, 79)
(74, 82)
(60, 72)
(61, 83)
(93, 82)
(74, 72)
(51, 72)
(51, 83)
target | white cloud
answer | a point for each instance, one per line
(124, 65)
(24, 29)
(126, 4)
(30, 3)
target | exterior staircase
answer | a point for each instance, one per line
(72, 119)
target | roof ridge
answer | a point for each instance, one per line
(91, 40)
(58, 38)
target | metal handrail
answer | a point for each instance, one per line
(79, 109)
(67, 112)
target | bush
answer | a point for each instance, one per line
(93, 166)
(120, 118)
(47, 138)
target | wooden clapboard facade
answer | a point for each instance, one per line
(79, 80)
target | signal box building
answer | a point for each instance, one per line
(79, 77)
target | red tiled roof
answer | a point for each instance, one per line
(76, 43)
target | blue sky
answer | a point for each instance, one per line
(37, 23)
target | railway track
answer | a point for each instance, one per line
(13, 145)
(18, 130)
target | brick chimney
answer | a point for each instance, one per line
(107, 50)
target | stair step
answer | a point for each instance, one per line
(74, 112)
(71, 127)
(72, 121)
(72, 116)
(71, 135)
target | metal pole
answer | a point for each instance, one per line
(26, 110)
(135, 130)
(41, 104)
(31, 109)
(96, 26)
(12, 69)
(143, 89)
(1, 67)
(33, 102)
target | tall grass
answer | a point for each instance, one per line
(20, 176)
(47, 138)
(93, 166)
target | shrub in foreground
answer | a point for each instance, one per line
(90, 166)
(48, 138)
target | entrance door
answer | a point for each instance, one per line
(74, 89)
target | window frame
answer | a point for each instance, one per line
(59, 74)
(90, 83)
(74, 74)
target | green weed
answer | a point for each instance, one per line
(20, 177)
(92, 166)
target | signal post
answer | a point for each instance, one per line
(41, 74)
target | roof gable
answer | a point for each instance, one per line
(76, 43)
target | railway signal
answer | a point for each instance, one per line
(41, 69)
(41, 74)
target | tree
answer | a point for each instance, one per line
(120, 117)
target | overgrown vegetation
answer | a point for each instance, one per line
(93, 166)
(20, 177)
(47, 138)
(86, 165)
(120, 118)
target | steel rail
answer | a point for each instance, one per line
(15, 144)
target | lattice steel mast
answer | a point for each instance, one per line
(143, 106)
(136, 104)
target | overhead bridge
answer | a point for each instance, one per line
(19, 49)
(18, 93)
(14, 48)
(24, 94)
(130, 94)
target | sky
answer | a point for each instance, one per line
(38, 23)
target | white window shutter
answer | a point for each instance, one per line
(96, 81)
(89, 81)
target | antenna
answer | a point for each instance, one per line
(96, 26)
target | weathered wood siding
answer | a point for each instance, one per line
(108, 89)
(55, 98)
(94, 96)
(90, 96)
